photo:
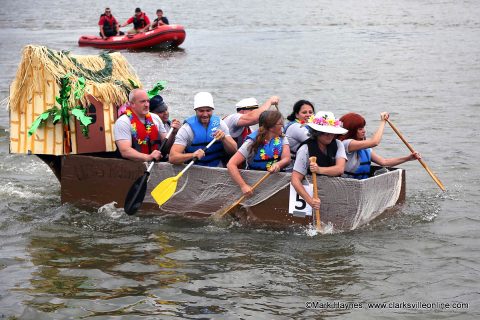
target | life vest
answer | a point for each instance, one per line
(363, 170)
(267, 154)
(109, 25)
(323, 160)
(201, 137)
(144, 136)
(241, 138)
(139, 22)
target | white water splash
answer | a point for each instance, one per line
(312, 231)
(110, 210)
(23, 192)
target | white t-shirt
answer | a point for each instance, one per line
(185, 135)
(244, 149)
(122, 130)
(302, 163)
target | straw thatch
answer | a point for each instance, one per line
(36, 89)
(107, 73)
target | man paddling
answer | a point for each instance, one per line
(138, 132)
(247, 115)
(160, 108)
(198, 131)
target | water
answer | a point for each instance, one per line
(419, 60)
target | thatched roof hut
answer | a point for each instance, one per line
(107, 80)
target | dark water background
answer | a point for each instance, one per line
(419, 60)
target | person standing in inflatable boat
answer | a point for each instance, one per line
(322, 144)
(198, 131)
(359, 150)
(265, 149)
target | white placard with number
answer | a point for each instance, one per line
(297, 205)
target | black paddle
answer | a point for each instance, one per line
(137, 191)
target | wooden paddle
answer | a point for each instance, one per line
(219, 215)
(165, 189)
(439, 183)
(315, 195)
(137, 191)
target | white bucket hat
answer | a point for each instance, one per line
(248, 103)
(203, 99)
(325, 121)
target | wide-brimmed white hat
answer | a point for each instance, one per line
(203, 99)
(248, 103)
(324, 121)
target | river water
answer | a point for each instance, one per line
(418, 60)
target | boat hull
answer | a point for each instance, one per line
(163, 36)
(89, 181)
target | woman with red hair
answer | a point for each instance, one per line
(359, 149)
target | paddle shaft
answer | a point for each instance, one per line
(136, 197)
(315, 194)
(194, 159)
(425, 166)
(165, 189)
(150, 165)
(236, 203)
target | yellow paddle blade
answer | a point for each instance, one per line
(165, 190)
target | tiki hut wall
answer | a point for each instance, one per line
(37, 84)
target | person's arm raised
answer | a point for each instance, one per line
(251, 118)
(372, 142)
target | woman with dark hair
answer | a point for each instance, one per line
(322, 144)
(295, 130)
(264, 149)
(359, 149)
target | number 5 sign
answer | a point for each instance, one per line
(297, 205)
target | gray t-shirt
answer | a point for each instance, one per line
(296, 135)
(185, 135)
(244, 149)
(302, 163)
(232, 124)
(122, 129)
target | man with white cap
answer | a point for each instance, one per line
(198, 131)
(247, 115)
(330, 153)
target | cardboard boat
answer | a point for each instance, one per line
(95, 180)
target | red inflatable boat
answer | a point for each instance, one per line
(163, 36)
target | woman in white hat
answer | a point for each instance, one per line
(264, 149)
(330, 153)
